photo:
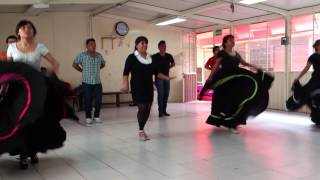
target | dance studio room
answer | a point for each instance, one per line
(159, 89)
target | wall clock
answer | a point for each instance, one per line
(121, 28)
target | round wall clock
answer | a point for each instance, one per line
(121, 28)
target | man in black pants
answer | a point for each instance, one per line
(164, 62)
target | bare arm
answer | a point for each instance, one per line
(77, 67)
(243, 62)
(125, 84)
(305, 69)
(164, 77)
(172, 65)
(54, 63)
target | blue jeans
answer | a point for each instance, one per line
(92, 91)
(163, 89)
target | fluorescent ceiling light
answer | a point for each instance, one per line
(277, 31)
(303, 27)
(41, 6)
(243, 35)
(258, 29)
(248, 2)
(171, 21)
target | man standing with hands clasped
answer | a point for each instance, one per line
(89, 63)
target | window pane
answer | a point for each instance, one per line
(242, 35)
(260, 44)
(276, 51)
(204, 52)
(301, 41)
(316, 26)
(218, 39)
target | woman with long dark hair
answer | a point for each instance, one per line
(309, 93)
(236, 89)
(142, 69)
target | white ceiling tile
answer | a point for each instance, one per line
(13, 9)
(73, 7)
(141, 14)
(178, 5)
(291, 4)
(224, 12)
(193, 24)
(198, 1)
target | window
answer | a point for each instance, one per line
(260, 44)
(276, 51)
(218, 39)
(301, 41)
(204, 52)
(316, 26)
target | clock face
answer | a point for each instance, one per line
(122, 28)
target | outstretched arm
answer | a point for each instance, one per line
(305, 70)
(164, 77)
(243, 62)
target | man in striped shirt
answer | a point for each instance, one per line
(89, 63)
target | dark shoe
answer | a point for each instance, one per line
(34, 159)
(160, 115)
(23, 163)
(166, 114)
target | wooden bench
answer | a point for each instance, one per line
(117, 94)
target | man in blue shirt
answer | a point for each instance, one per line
(89, 63)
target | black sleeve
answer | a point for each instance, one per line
(155, 66)
(312, 58)
(128, 65)
(171, 59)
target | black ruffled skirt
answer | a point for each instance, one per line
(31, 107)
(309, 95)
(238, 94)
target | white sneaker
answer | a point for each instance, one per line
(97, 120)
(88, 121)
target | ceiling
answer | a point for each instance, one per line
(199, 13)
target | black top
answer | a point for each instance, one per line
(229, 62)
(314, 59)
(163, 62)
(141, 81)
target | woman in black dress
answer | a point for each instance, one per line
(142, 69)
(310, 93)
(238, 92)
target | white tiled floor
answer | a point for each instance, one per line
(273, 146)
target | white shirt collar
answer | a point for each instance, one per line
(147, 60)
